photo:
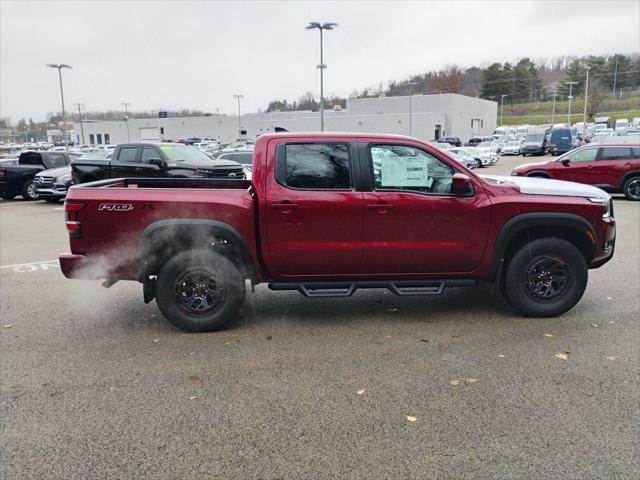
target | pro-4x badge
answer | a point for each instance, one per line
(116, 207)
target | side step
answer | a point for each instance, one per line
(400, 287)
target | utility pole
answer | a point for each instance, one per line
(238, 97)
(321, 66)
(586, 100)
(615, 76)
(502, 109)
(126, 117)
(571, 84)
(80, 118)
(553, 109)
(411, 84)
(60, 66)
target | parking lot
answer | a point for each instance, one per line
(96, 384)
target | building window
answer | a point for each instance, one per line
(99, 136)
(91, 139)
(161, 130)
(106, 139)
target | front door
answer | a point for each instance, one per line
(313, 213)
(577, 166)
(412, 223)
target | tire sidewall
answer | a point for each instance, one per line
(226, 274)
(625, 189)
(25, 191)
(515, 288)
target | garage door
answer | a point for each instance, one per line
(149, 134)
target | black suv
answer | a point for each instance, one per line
(455, 141)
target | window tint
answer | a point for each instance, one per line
(148, 154)
(128, 154)
(398, 167)
(617, 153)
(586, 155)
(56, 160)
(316, 165)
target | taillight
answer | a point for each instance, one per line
(3, 172)
(74, 227)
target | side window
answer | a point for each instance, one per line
(617, 153)
(398, 167)
(56, 160)
(586, 155)
(148, 154)
(128, 155)
(314, 166)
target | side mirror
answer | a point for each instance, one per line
(566, 162)
(157, 162)
(460, 184)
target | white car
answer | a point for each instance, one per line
(512, 147)
(488, 154)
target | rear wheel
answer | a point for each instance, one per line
(199, 291)
(545, 277)
(631, 189)
(29, 191)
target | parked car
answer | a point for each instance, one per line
(244, 158)
(488, 153)
(511, 147)
(474, 141)
(455, 141)
(560, 141)
(535, 143)
(614, 168)
(467, 156)
(17, 179)
(328, 214)
(621, 126)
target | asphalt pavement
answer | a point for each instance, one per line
(95, 384)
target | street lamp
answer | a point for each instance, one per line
(411, 84)
(586, 99)
(321, 66)
(502, 109)
(238, 97)
(571, 84)
(79, 105)
(60, 66)
(126, 117)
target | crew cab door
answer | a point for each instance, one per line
(133, 161)
(577, 166)
(313, 213)
(412, 223)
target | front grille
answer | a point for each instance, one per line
(232, 173)
(41, 181)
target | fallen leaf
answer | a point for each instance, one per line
(227, 343)
(387, 336)
(611, 359)
(193, 398)
(548, 334)
(611, 322)
(501, 356)
(361, 391)
(392, 310)
(563, 355)
(194, 378)
(455, 381)
(156, 340)
(472, 380)
(424, 340)
(594, 325)
(411, 418)
(9, 325)
(269, 337)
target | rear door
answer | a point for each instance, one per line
(612, 163)
(313, 212)
(133, 161)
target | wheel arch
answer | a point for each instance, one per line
(627, 176)
(538, 173)
(525, 227)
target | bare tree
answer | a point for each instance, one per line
(597, 93)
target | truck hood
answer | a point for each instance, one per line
(545, 186)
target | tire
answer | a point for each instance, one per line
(478, 163)
(29, 191)
(212, 287)
(545, 277)
(631, 189)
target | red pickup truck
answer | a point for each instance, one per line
(327, 214)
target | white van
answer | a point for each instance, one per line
(621, 126)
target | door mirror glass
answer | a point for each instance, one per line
(157, 162)
(460, 184)
(566, 162)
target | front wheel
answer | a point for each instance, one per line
(545, 277)
(631, 189)
(29, 191)
(199, 290)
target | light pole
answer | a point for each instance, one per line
(586, 100)
(411, 84)
(321, 66)
(571, 84)
(553, 108)
(80, 118)
(60, 66)
(126, 117)
(238, 97)
(502, 109)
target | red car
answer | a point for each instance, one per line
(614, 168)
(328, 214)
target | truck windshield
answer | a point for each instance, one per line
(184, 153)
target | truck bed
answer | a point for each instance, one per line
(198, 183)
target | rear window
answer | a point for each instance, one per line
(314, 166)
(617, 153)
(30, 158)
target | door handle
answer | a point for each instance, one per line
(284, 207)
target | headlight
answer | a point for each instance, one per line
(64, 178)
(607, 203)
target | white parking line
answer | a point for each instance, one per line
(28, 264)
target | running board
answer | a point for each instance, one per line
(400, 287)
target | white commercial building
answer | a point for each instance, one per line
(431, 117)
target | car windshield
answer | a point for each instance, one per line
(184, 153)
(535, 138)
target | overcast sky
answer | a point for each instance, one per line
(194, 54)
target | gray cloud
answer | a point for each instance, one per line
(198, 54)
